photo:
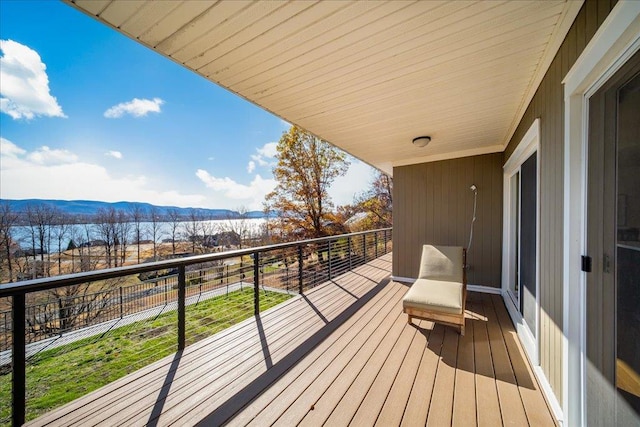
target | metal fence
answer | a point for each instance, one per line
(154, 302)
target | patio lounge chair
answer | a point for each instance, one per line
(440, 292)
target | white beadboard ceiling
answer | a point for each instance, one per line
(367, 76)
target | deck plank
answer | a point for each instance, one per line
(440, 409)
(396, 402)
(196, 403)
(422, 391)
(343, 354)
(284, 393)
(371, 355)
(464, 402)
(511, 405)
(487, 403)
(188, 378)
(372, 404)
(216, 348)
(535, 405)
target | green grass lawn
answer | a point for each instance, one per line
(60, 375)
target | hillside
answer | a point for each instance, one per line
(90, 207)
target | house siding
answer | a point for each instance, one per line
(548, 105)
(433, 204)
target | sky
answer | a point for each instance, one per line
(88, 114)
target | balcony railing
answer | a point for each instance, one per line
(65, 312)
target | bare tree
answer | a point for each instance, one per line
(40, 218)
(8, 220)
(154, 230)
(106, 229)
(80, 240)
(78, 305)
(62, 228)
(208, 229)
(123, 232)
(173, 219)
(87, 261)
(238, 226)
(192, 228)
(137, 216)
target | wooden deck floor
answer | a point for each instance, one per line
(342, 354)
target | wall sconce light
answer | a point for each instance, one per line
(421, 141)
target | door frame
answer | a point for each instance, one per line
(529, 145)
(615, 41)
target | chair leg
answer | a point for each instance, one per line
(408, 319)
(462, 329)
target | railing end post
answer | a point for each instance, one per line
(256, 283)
(300, 269)
(19, 359)
(182, 292)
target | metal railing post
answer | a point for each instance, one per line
(375, 242)
(166, 293)
(256, 283)
(349, 249)
(384, 236)
(121, 301)
(300, 269)
(364, 248)
(19, 356)
(329, 255)
(61, 321)
(182, 292)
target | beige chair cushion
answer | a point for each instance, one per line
(435, 295)
(443, 263)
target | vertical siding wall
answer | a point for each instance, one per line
(548, 105)
(432, 203)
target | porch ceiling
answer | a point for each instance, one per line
(366, 76)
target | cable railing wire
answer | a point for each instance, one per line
(119, 320)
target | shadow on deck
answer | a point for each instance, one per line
(341, 354)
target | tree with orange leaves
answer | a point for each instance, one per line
(306, 168)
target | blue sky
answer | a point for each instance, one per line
(87, 113)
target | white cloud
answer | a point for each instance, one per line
(46, 156)
(24, 84)
(136, 107)
(114, 154)
(251, 195)
(266, 154)
(59, 174)
(270, 149)
(344, 188)
(9, 149)
(251, 166)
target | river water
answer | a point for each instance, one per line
(77, 232)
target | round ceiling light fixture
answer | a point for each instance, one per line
(421, 141)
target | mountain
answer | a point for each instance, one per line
(89, 208)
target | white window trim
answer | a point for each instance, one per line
(617, 39)
(529, 145)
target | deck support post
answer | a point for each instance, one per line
(256, 283)
(19, 358)
(300, 269)
(182, 291)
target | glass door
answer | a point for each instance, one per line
(612, 366)
(523, 266)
